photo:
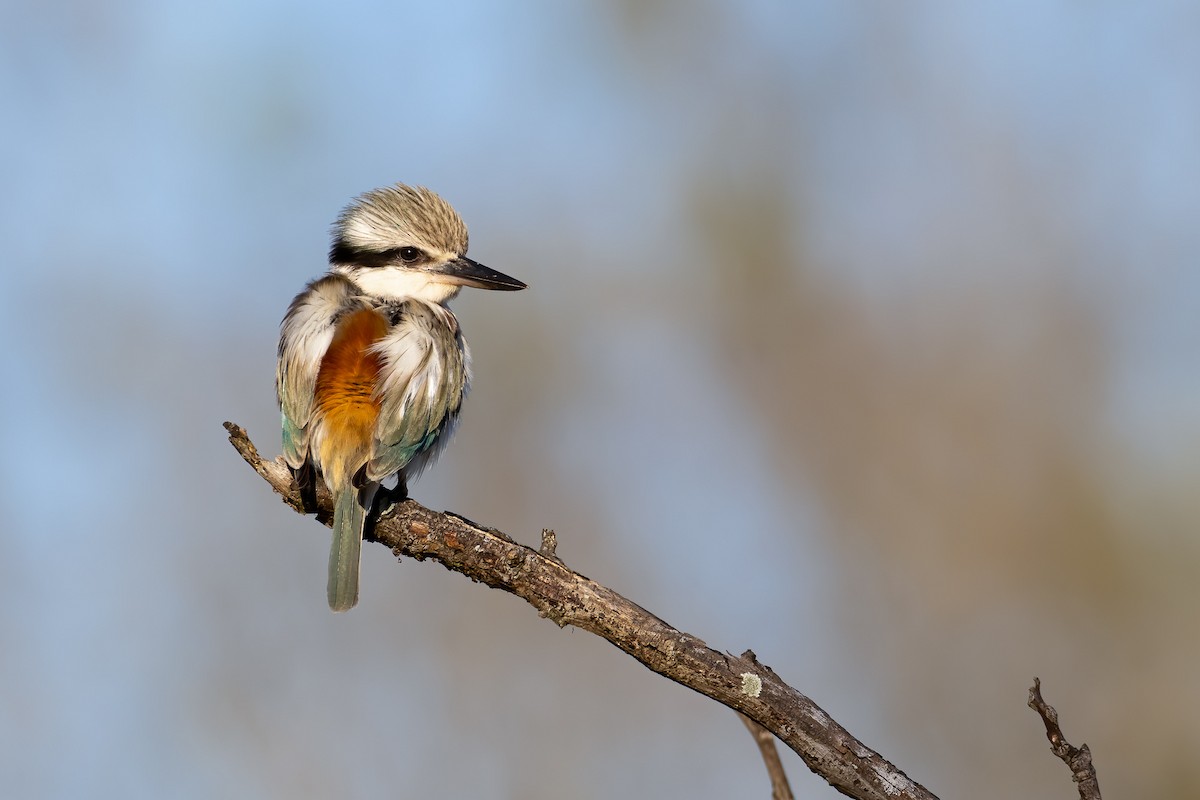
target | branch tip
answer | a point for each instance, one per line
(1077, 759)
(549, 544)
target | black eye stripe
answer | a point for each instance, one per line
(342, 253)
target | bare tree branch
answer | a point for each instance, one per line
(780, 788)
(1077, 759)
(568, 598)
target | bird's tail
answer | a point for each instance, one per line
(349, 518)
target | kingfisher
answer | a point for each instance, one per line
(372, 366)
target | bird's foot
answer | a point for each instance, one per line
(387, 499)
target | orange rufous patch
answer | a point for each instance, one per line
(345, 392)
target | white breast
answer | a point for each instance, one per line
(422, 382)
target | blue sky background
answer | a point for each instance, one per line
(862, 335)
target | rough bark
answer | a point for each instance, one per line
(566, 597)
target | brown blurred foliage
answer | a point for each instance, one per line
(953, 432)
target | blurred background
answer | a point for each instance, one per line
(862, 335)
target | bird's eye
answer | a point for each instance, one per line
(409, 254)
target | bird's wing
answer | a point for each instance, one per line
(304, 336)
(422, 381)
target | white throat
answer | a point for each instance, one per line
(399, 283)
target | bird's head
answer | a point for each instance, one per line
(403, 241)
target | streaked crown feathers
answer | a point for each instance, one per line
(398, 216)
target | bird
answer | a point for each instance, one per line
(372, 366)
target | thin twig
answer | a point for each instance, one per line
(780, 788)
(569, 598)
(1077, 759)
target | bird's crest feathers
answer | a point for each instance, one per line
(383, 220)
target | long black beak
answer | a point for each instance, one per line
(466, 272)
